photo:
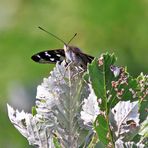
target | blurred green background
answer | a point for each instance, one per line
(110, 25)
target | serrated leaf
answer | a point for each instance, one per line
(113, 84)
(63, 93)
(124, 118)
(31, 127)
(101, 76)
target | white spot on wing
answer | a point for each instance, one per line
(58, 55)
(38, 56)
(51, 59)
(46, 53)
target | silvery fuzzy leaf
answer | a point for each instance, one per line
(124, 118)
(120, 144)
(144, 132)
(144, 128)
(58, 106)
(90, 108)
(59, 100)
(31, 127)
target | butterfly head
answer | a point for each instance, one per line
(68, 48)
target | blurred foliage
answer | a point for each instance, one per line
(113, 26)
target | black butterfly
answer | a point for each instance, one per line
(68, 53)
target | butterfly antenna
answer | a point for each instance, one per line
(72, 38)
(53, 35)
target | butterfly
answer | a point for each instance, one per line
(68, 53)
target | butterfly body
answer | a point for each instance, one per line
(69, 54)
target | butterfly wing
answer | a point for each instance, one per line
(83, 56)
(88, 58)
(49, 56)
(85, 59)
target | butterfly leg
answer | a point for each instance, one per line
(80, 70)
